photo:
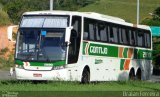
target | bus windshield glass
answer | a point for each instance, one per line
(41, 44)
(45, 21)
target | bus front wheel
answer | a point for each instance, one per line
(85, 76)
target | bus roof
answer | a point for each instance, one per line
(88, 14)
(92, 15)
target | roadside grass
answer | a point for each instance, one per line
(15, 85)
(125, 9)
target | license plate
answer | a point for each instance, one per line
(37, 75)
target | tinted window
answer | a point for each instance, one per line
(140, 37)
(113, 36)
(103, 32)
(133, 41)
(147, 40)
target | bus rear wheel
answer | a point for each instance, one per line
(85, 76)
(131, 75)
(138, 75)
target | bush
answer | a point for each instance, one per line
(6, 59)
(4, 19)
(6, 63)
(14, 36)
(16, 8)
(151, 22)
(4, 51)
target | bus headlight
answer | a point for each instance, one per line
(57, 67)
(19, 66)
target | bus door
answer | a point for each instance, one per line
(75, 40)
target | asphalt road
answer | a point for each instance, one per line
(5, 75)
(155, 78)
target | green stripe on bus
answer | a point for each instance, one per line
(18, 62)
(135, 53)
(122, 64)
(112, 51)
(144, 54)
(100, 50)
(84, 47)
(125, 53)
(57, 63)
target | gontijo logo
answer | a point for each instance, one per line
(96, 49)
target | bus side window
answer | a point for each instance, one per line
(125, 36)
(91, 32)
(135, 38)
(115, 34)
(147, 40)
(132, 38)
(103, 32)
(140, 38)
(90, 28)
(120, 36)
(96, 30)
(85, 36)
(111, 35)
(86, 30)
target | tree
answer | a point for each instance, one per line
(157, 13)
(4, 19)
(16, 8)
(155, 21)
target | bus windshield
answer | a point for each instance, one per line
(44, 21)
(41, 44)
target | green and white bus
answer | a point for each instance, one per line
(81, 46)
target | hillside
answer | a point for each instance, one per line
(125, 9)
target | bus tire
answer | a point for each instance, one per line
(138, 74)
(131, 74)
(85, 76)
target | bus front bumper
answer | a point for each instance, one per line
(22, 74)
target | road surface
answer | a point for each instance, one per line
(5, 75)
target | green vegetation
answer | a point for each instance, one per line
(75, 89)
(14, 34)
(76, 86)
(15, 8)
(72, 4)
(155, 21)
(125, 9)
(6, 59)
(4, 19)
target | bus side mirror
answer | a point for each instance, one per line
(68, 34)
